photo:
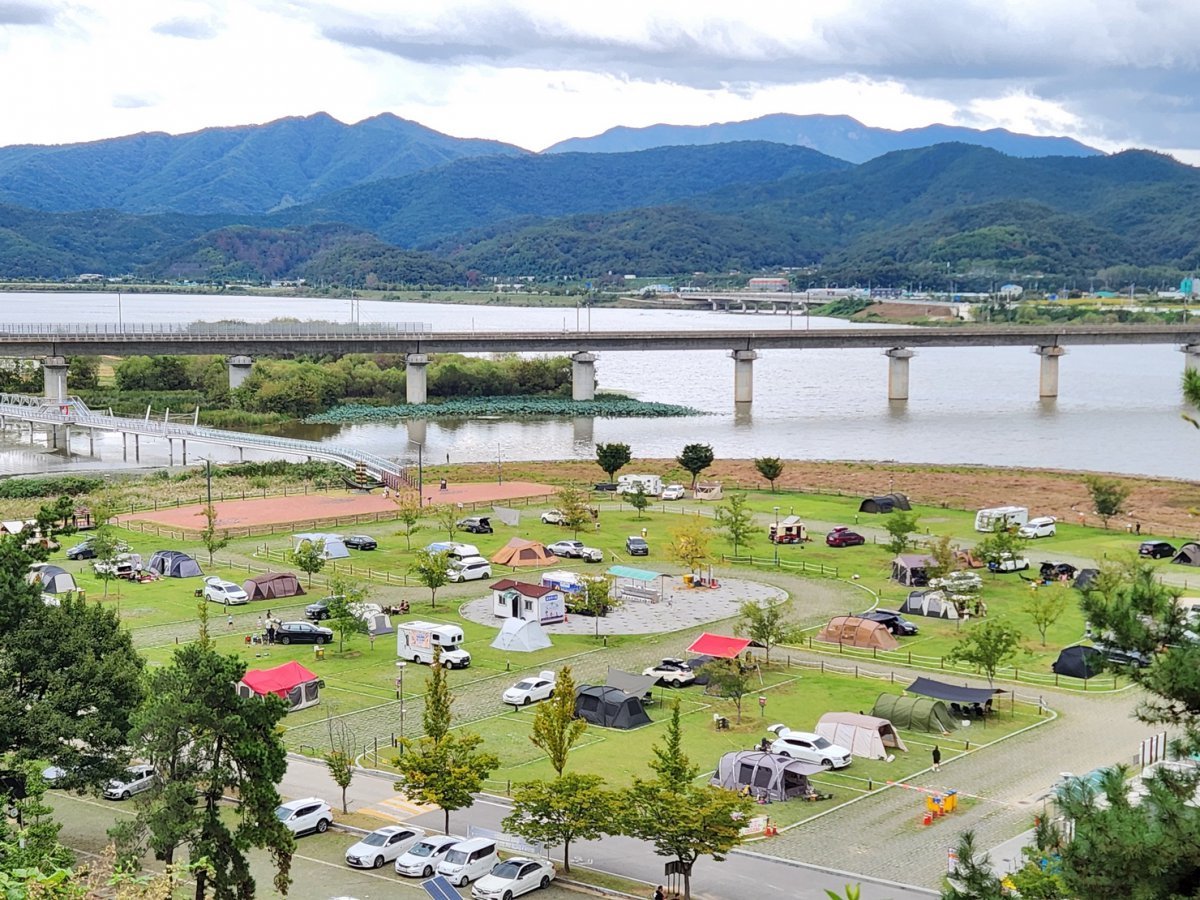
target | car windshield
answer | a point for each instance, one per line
(456, 857)
(507, 870)
(422, 849)
(376, 839)
(283, 813)
(524, 685)
(820, 743)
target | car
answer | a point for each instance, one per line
(591, 554)
(808, 747)
(673, 492)
(844, 537)
(671, 672)
(1049, 571)
(421, 860)
(476, 524)
(135, 780)
(301, 633)
(530, 690)
(383, 845)
(470, 569)
(570, 549)
(1039, 527)
(1008, 563)
(86, 549)
(319, 609)
(1156, 549)
(636, 546)
(305, 816)
(361, 542)
(892, 621)
(553, 517)
(515, 876)
(218, 590)
(1121, 657)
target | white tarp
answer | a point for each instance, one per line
(507, 515)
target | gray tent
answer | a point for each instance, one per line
(634, 685)
(609, 707)
(1188, 555)
(770, 775)
(884, 503)
(272, 585)
(929, 603)
(174, 564)
(54, 579)
(914, 713)
(909, 569)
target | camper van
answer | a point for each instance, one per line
(652, 485)
(1039, 527)
(416, 640)
(988, 520)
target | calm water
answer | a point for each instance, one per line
(1118, 410)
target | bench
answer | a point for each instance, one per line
(637, 593)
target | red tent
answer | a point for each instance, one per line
(291, 681)
(719, 645)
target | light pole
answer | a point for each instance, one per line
(776, 537)
(499, 466)
(400, 693)
(420, 473)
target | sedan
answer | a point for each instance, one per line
(572, 549)
(87, 550)
(218, 590)
(891, 620)
(844, 537)
(553, 517)
(303, 816)
(514, 877)
(671, 672)
(383, 845)
(302, 633)
(361, 542)
(809, 748)
(135, 780)
(530, 690)
(422, 859)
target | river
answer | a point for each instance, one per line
(1119, 408)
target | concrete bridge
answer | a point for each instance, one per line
(241, 343)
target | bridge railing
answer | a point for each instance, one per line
(184, 330)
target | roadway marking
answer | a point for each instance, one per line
(398, 809)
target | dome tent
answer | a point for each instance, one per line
(609, 707)
(521, 636)
(53, 579)
(174, 564)
(774, 775)
(914, 713)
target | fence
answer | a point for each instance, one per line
(336, 568)
(802, 566)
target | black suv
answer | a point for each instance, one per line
(636, 546)
(318, 610)
(1156, 549)
(892, 621)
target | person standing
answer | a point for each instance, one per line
(659, 893)
(937, 758)
(270, 631)
(229, 620)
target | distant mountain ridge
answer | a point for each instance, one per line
(841, 137)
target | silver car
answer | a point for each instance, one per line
(135, 780)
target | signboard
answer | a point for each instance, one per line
(755, 825)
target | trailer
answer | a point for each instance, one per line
(790, 531)
(417, 640)
(1002, 517)
(651, 485)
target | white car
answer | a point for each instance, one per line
(1009, 563)
(568, 549)
(470, 569)
(514, 877)
(673, 492)
(808, 747)
(530, 690)
(1039, 527)
(219, 590)
(135, 780)
(383, 845)
(591, 554)
(303, 816)
(553, 517)
(671, 672)
(422, 859)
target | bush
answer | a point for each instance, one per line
(53, 486)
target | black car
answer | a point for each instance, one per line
(318, 609)
(1156, 549)
(82, 551)
(1056, 571)
(636, 546)
(361, 542)
(1120, 657)
(892, 621)
(301, 633)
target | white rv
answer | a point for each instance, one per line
(416, 640)
(989, 520)
(652, 485)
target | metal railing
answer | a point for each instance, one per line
(218, 329)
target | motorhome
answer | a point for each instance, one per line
(1005, 517)
(652, 485)
(417, 640)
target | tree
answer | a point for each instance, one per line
(596, 599)
(1108, 496)
(408, 513)
(638, 498)
(736, 520)
(695, 458)
(973, 878)
(431, 569)
(340, 758)
(612, 458)
(1045, 606)
(571, 807)
(107, 546)
(436, 713)
(770, 468)
(555, 728)
(208, 535)
(344, 602)
(988, 644)
(447, 518)
(573, 506)
(900, 525)
(1002, 543)
(727, 678)
(690, 544)
(943, 558)
(767, 624)
(309, 557)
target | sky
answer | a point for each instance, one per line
(1111, 73)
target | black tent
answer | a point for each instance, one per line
(609, 707)
(1084, 578)
(174, 564)
(1078, 662)
(884, 503)
(954, 693)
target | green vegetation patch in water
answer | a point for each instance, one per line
(610, 406)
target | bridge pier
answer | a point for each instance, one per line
(416, 378)
(184, 442)
(583, 375)
(743, 375)
(1048, 374)
(54, 376)
(1191, 358)
(898, 358)
(239, 370)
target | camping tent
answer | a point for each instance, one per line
(929, 603)
(609, 707)
(335, 547)
(909, 569)
(631, 684)
(964, 701)
(884, 503)
(1188, 555)
(1078, 662)
(520, 553)
(772, 776)
(521, 636)
(866, 736)
(914, 713)
(1084, 579)
(272, 585)
(174, 564)
(858, 633)
(291, 681)
(54, 579)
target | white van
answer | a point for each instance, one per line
(1039, 527)
(469, 568)
(416, 640)
(988, 520)
(469, 860)
(652, 485)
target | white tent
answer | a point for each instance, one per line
(868, 737)
(334, 547)
(929, 603)
(521, 636)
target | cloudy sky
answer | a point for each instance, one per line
(1113, 73)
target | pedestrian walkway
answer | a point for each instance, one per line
(397, 809)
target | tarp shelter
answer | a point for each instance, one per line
(720, 646)
(521, 636)
(272, 585)
(335, 547)
(914, 713)
(1188, 555)
(884, 503)
(707, 490)
(929, 603)
(54, 579)
(868, 737)
(1078, 662)
(609, 707)
(772, 776)
(537, 602)
(519, 553)
(174, 564)
(954, 693)
(910, 569)
(636, 584)
(858, 633)
(291, 681)
(634, 685)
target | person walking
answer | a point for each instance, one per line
(937, 758)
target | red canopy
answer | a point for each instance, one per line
(278, 680)
(719, 645)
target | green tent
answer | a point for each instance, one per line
(914, 713)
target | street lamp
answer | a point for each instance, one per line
(420, 473)
(400, 692)
(776, 537)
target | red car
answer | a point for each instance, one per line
(844, 537)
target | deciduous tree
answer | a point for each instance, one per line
(736, 520)
(212, 539)
(1108, 496)
(770, 468)
(767, 624)
(345, 604)
(612, 458)
(900, 525)
(637, 498)
(727, 678)
(555, 728)
(573, 506)
(988, 644)
(447, 518)
(408, 513)
(690, 544)
(1045, 606)
(565, 809)
(309, 557)
(695, 458)
(431, 569)
(596, 599)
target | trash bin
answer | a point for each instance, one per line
(688, 580)
(83, 595)
(318, 652)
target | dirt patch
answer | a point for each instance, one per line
(907, 312)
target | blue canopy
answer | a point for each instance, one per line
(635, 574)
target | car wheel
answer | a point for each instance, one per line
(508, 895)
(378, 862)
(527, 701)
(416, 658)
(285, 640)
(428, 873)
(827, 764)
(674, 683)
(545, 882)
(124, 795)
(322, 826)
(320, 639)
(550, 695)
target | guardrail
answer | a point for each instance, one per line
(218, 329)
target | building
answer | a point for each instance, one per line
(769, 284)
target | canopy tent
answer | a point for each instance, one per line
(519, 553)
(1078, 662)
(719, 645)
(174, 564)
(910, 569)
(334, 546)
(272, 585)
(1188, 555)
(609, 707)
(643, 575)
(914, 713)
(521, 636)
(291, 681)
(54, 579)
(858, 633)
(884, 503)
(929, 603)
(771, 776)
(866, 736)
(954, 693)
(634, 685)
